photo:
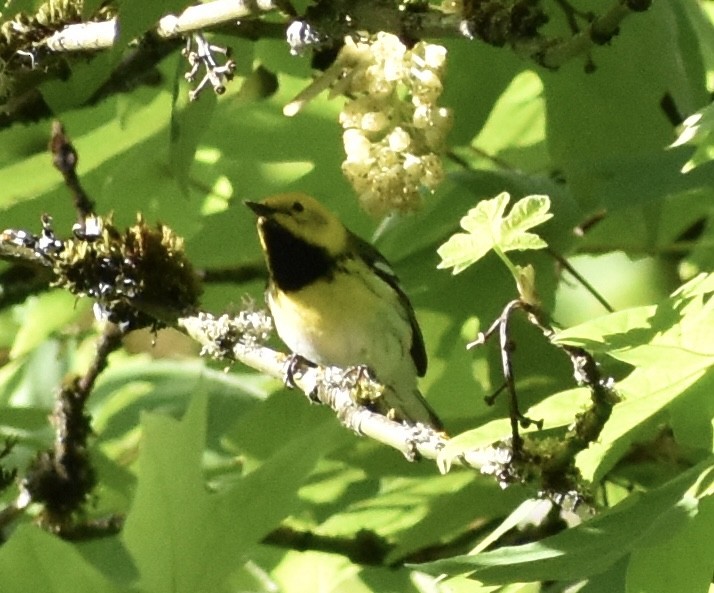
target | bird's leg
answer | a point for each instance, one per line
(293, 368)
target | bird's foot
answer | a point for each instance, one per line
(294, 366)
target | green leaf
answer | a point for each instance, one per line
(526, 213)
(487, 228)
(131, 386)
(515, 130)
(43, 315)
(670, 346)
(487, 217)
(245, 514)
(491, 73)
(34, 560)
(24, 179)
(595, 146)
(86, 78)
(183, 539)
(683, 561)
(698, 131)
(33, 379)
(595, 545)
(168, 526)
(189, 122)
(137, 17)
(450, 510)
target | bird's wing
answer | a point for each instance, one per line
(381, 267)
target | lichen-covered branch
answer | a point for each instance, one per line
(240, 338)
(102, 35)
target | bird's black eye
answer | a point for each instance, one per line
(298, 207)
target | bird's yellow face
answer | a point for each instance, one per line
(303, 217)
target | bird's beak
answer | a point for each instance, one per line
(260, 209)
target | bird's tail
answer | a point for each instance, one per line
(410, 406)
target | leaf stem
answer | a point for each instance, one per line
(505, 259)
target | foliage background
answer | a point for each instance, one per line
(206, 464)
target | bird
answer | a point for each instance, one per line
(335, 301)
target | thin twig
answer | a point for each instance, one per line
(64, 158)
(62, 477)
(599, 32)
(581, 279)
(571, 14)
(234, 275)
(517, 418)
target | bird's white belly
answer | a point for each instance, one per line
(357, 324)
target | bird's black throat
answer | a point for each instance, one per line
(294, 263)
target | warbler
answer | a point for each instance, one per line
(335, 301)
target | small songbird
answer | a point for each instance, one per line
(336, 302)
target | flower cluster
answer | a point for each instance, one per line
(394, 131)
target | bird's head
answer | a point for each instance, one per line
(304, 218)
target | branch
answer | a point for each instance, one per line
(555, 460)
(328, 25)
(601, 31)
(225, 337)
(566, 265)
(239, 338)
(65, 158)
(103, 35)
(138, 297)
(20, 281)
(63, 477)
(365, 548)
(141, 277)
